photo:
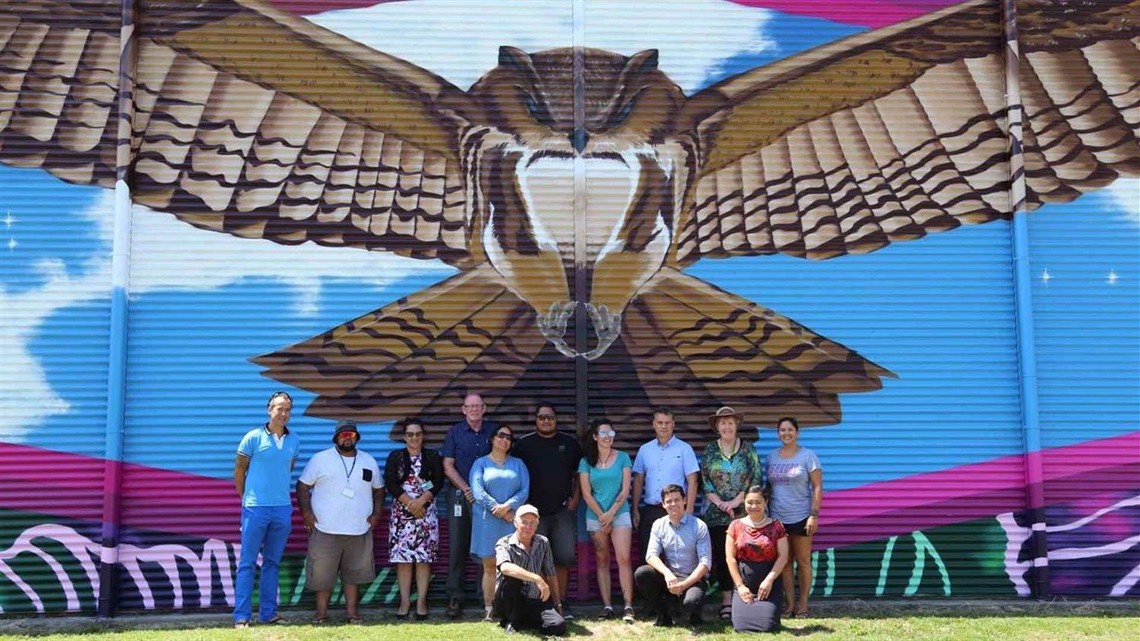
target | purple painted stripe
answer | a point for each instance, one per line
(70, 485)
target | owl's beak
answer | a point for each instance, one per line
(579, 138)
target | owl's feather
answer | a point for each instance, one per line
(901, 132)
(325, 140)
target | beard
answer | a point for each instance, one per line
(351, 447)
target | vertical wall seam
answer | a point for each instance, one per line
(1023, 308)
(120, 289)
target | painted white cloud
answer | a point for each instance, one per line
(460, 39)
(1125, 193)
(166, 255)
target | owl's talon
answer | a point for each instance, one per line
(607, 327)
(552, 325)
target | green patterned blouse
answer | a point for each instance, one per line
(727, 476)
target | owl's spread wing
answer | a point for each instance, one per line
(902, 132)
(248, 121)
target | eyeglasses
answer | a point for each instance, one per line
(413, 434)
(607, 434)
(345, 433)
(546, 417)
(504, 435)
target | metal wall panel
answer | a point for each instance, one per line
(796, 210)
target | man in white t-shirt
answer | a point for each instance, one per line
(341, 495)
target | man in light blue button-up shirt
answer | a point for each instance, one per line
(677, 561)
(666, 460)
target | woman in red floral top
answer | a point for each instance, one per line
(756, 550)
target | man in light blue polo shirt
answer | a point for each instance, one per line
(666, 460)
(263, 473)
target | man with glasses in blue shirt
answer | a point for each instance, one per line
(465, 442)
(263, 472)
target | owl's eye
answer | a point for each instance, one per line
(621, 115)
(536, 111)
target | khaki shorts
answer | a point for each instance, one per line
(350, 556)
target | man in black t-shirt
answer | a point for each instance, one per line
(552, 458)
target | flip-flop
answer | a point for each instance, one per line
(320, 620)
(355, 620)
(788, 613)
(802, 614)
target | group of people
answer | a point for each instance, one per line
(512, 504)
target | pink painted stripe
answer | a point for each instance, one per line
(975, 491)
(69, 485)
(866, 13)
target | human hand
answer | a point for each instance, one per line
(635, 516)
(500, 509)
(416, 507)
(310, 520)
(469, 495)
(509, 517)
(374, 522)
(765, 588)
(543, 589)
(605, 519)
(572, 504)
(676, 586)
(745, 594)
(812, 525)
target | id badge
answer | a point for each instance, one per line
(427, 485)
(349, 492)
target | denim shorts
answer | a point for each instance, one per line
(620, 521)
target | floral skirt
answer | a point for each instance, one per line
(412, 540)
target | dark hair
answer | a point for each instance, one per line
(669, 489)
(764, 491)
(589, 445)
(541, 404)
(663, 409)
(275, 395)
(411, 420)
(790, 419)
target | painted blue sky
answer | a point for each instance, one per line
(937, 312)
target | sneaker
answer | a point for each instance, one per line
(566, 613)
(454, 608)
(627, 616)
(241, 625)
(607, 613)
(663, 621)
(510, 629)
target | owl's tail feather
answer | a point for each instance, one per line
(699, 347)
(417, 355)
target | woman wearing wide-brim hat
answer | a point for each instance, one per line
(729, 467)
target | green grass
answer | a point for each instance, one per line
(856, 620)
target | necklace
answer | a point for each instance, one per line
(756, 526)
(735, 448)
(603, 464)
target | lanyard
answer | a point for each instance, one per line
(347, 471)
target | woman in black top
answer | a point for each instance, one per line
(412, 477)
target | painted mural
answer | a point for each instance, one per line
(593, 203)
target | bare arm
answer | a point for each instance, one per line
(241, 470)
(690, 492)
(305, 502)
(816, 500)
(635, 502)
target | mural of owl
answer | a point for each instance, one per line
(572, 187)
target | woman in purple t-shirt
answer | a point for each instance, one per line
(796, 479)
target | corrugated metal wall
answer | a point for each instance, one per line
(282, 150)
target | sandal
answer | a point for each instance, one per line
(277, 620)
(802, 614)
(726, 612)
(788, 612)
(356, 620)
(241, 625)
(320, 620)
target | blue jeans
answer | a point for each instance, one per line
(264, 530)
